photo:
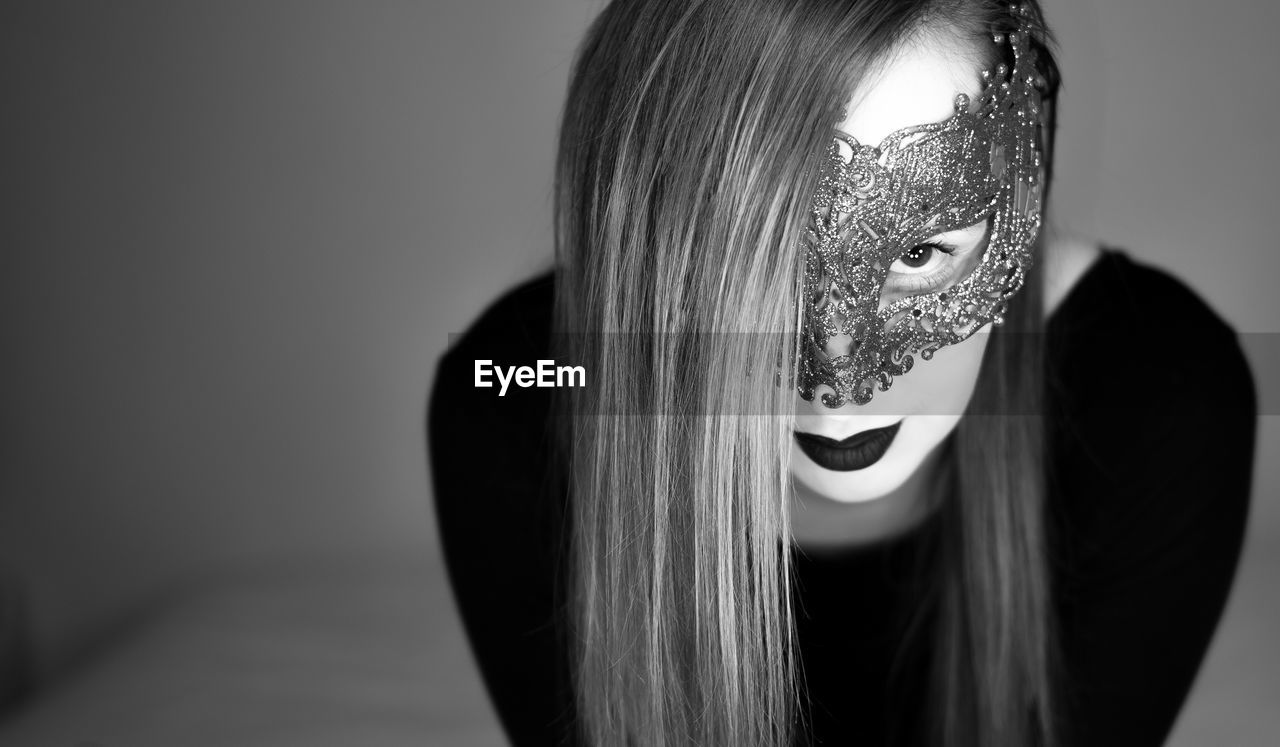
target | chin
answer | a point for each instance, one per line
(918, 436)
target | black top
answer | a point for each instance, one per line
(1152, 419)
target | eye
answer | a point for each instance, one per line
(922, 258)
(936, 264)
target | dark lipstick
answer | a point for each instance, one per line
(858, 451)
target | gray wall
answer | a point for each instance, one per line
(236, 237)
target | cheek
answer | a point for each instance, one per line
(944, 385)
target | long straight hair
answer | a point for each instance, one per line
(690, 144)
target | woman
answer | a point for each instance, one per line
(863, 457)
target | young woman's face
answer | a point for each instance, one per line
(918, 85)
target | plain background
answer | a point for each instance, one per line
(235, 238)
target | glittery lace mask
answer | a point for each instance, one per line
(876, 205)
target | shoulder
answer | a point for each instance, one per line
(471, 417)
(1132, 337)
(490, 446)
(517, 321)
(513, 331)
(1128, 321)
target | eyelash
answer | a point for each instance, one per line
(923, 283)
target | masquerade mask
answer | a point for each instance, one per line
(875, 205)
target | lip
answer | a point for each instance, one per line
(859, 451)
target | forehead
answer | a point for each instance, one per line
(917, 84)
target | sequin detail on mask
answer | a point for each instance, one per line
(874, 204)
